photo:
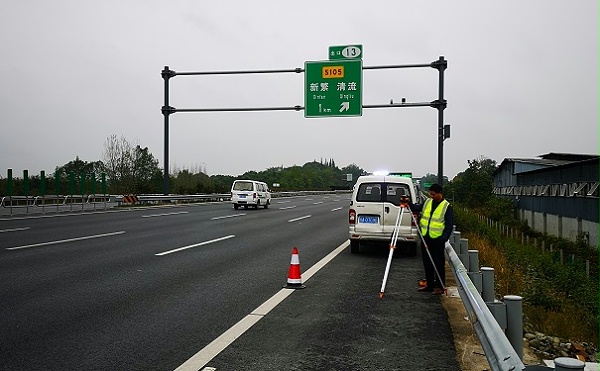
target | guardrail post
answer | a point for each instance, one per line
(455, 241)
(498, 310)
(464, 252)
(473, 270)
(568, 364)
(488, 292)
(473, 261)
(514, 325)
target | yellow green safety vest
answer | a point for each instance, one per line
(433, 222)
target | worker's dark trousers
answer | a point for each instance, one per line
(436, 249)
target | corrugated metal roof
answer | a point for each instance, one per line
(548, 160)
(571, 157)
(591, 160)
(538, 161)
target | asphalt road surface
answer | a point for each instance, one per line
(338, 322)
(147, 289)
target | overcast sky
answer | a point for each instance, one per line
(522, 80)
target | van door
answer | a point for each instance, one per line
(369, 209)
(262, 194)
(393, 192)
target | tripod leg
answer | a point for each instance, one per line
(391, 254)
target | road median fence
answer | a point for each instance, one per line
(50, 203)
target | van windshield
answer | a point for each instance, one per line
(243, 186)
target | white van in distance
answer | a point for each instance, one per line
(250, 193)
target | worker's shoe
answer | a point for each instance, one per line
(437, 291)
(425, 289)
(422, 282)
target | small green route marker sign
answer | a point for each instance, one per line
(345, 52)
(333, 88)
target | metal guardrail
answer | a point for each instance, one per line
(52, 200)
(19, 202)
(503, 350)
(498, 350)
(215, 196)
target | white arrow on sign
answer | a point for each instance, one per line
(345, 106)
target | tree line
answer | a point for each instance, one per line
(132, 169)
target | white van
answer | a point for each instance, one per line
(250, 193)
(374, 207)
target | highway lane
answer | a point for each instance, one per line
(90, 291)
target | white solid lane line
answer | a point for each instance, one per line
(226, 216)
(65, 241)
(14, 229)
(164, 214)
(210, 351)
(195, 245)
(300, 218)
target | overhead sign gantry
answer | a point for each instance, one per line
(332, 88)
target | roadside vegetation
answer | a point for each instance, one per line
(132, 169)
(559, 287)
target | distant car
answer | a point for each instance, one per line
(250, 193)
(374, 208)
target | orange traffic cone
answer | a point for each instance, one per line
(294, 280)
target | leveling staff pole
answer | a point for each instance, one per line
(392, 248)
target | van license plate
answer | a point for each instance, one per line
(242, 196)
(368, 219)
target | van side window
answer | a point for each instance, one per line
(369, 192)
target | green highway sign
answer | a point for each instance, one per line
(401, 175)
(345, 52)
(333, 88)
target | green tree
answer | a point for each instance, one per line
(473, 187)
(75, 167)
(353, 170)
(130, 169)
(118, 159)
(147, 175)
(78, 166)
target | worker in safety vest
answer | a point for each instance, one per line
(437, 220)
